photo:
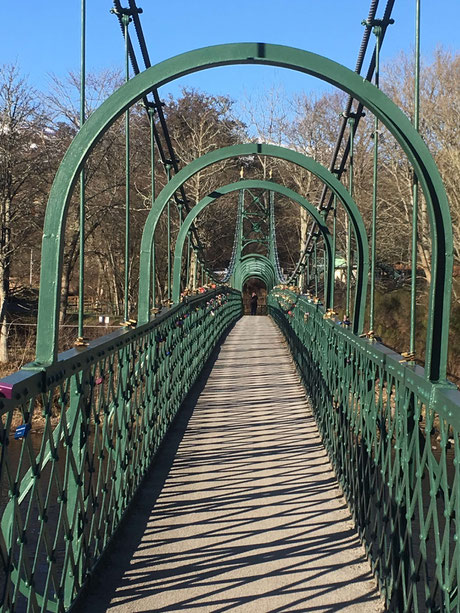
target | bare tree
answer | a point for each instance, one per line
(104, 178)
(200, 123)
(21, 159)
(440, 128)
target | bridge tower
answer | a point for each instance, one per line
(255, 242)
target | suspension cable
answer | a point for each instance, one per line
(235, 249)
(157, 104)
(327, 204)
(168, 157)
(279, 272)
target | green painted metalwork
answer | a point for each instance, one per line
(126, 19)
(188, 260)
(413, 293)
(240, 186)
(254, 265)
(378, 33)
(194, 274)
(275, 55)
(272, 246)
(114, 401)
(273, 255)
(334, 248)
(255, 220)
(152, 192)
(393, 438)
(237, 239)
(351, 123)
(168, 222)
(315, 264)
(239, 243)
(391, 429)
(81, 280)
(262, 150)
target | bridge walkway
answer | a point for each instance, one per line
(242, 511)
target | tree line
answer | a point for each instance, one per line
(36, 128)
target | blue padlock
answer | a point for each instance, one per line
(22, 431)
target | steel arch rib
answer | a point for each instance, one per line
(265, 150)
(258, 266)
(249, 184)
(273, 55)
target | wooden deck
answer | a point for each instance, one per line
(242, 510)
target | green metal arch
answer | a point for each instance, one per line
(289, 155)
(255, 265)
(273, 55)
(250, 184)
(250, 272)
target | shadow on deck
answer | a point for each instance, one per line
(241, 510)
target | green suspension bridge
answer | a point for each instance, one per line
(390, 427)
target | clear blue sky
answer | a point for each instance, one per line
(45, 38)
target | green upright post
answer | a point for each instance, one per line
(168, 212)
(81, 283)
(241, 233)
(378, 32)
(326, 272)
(79, 398)
(315, 264)
(351, 123)
(271, 244)
(195, 271)
(413, 300)
(126, 19)
(179, 209)
(188, 260)
(152, 172)
(334, 247)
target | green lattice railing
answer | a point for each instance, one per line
(103, 412)
(393, 438)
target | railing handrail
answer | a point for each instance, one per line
(393, 438)
(443, 396)
(32, 379)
